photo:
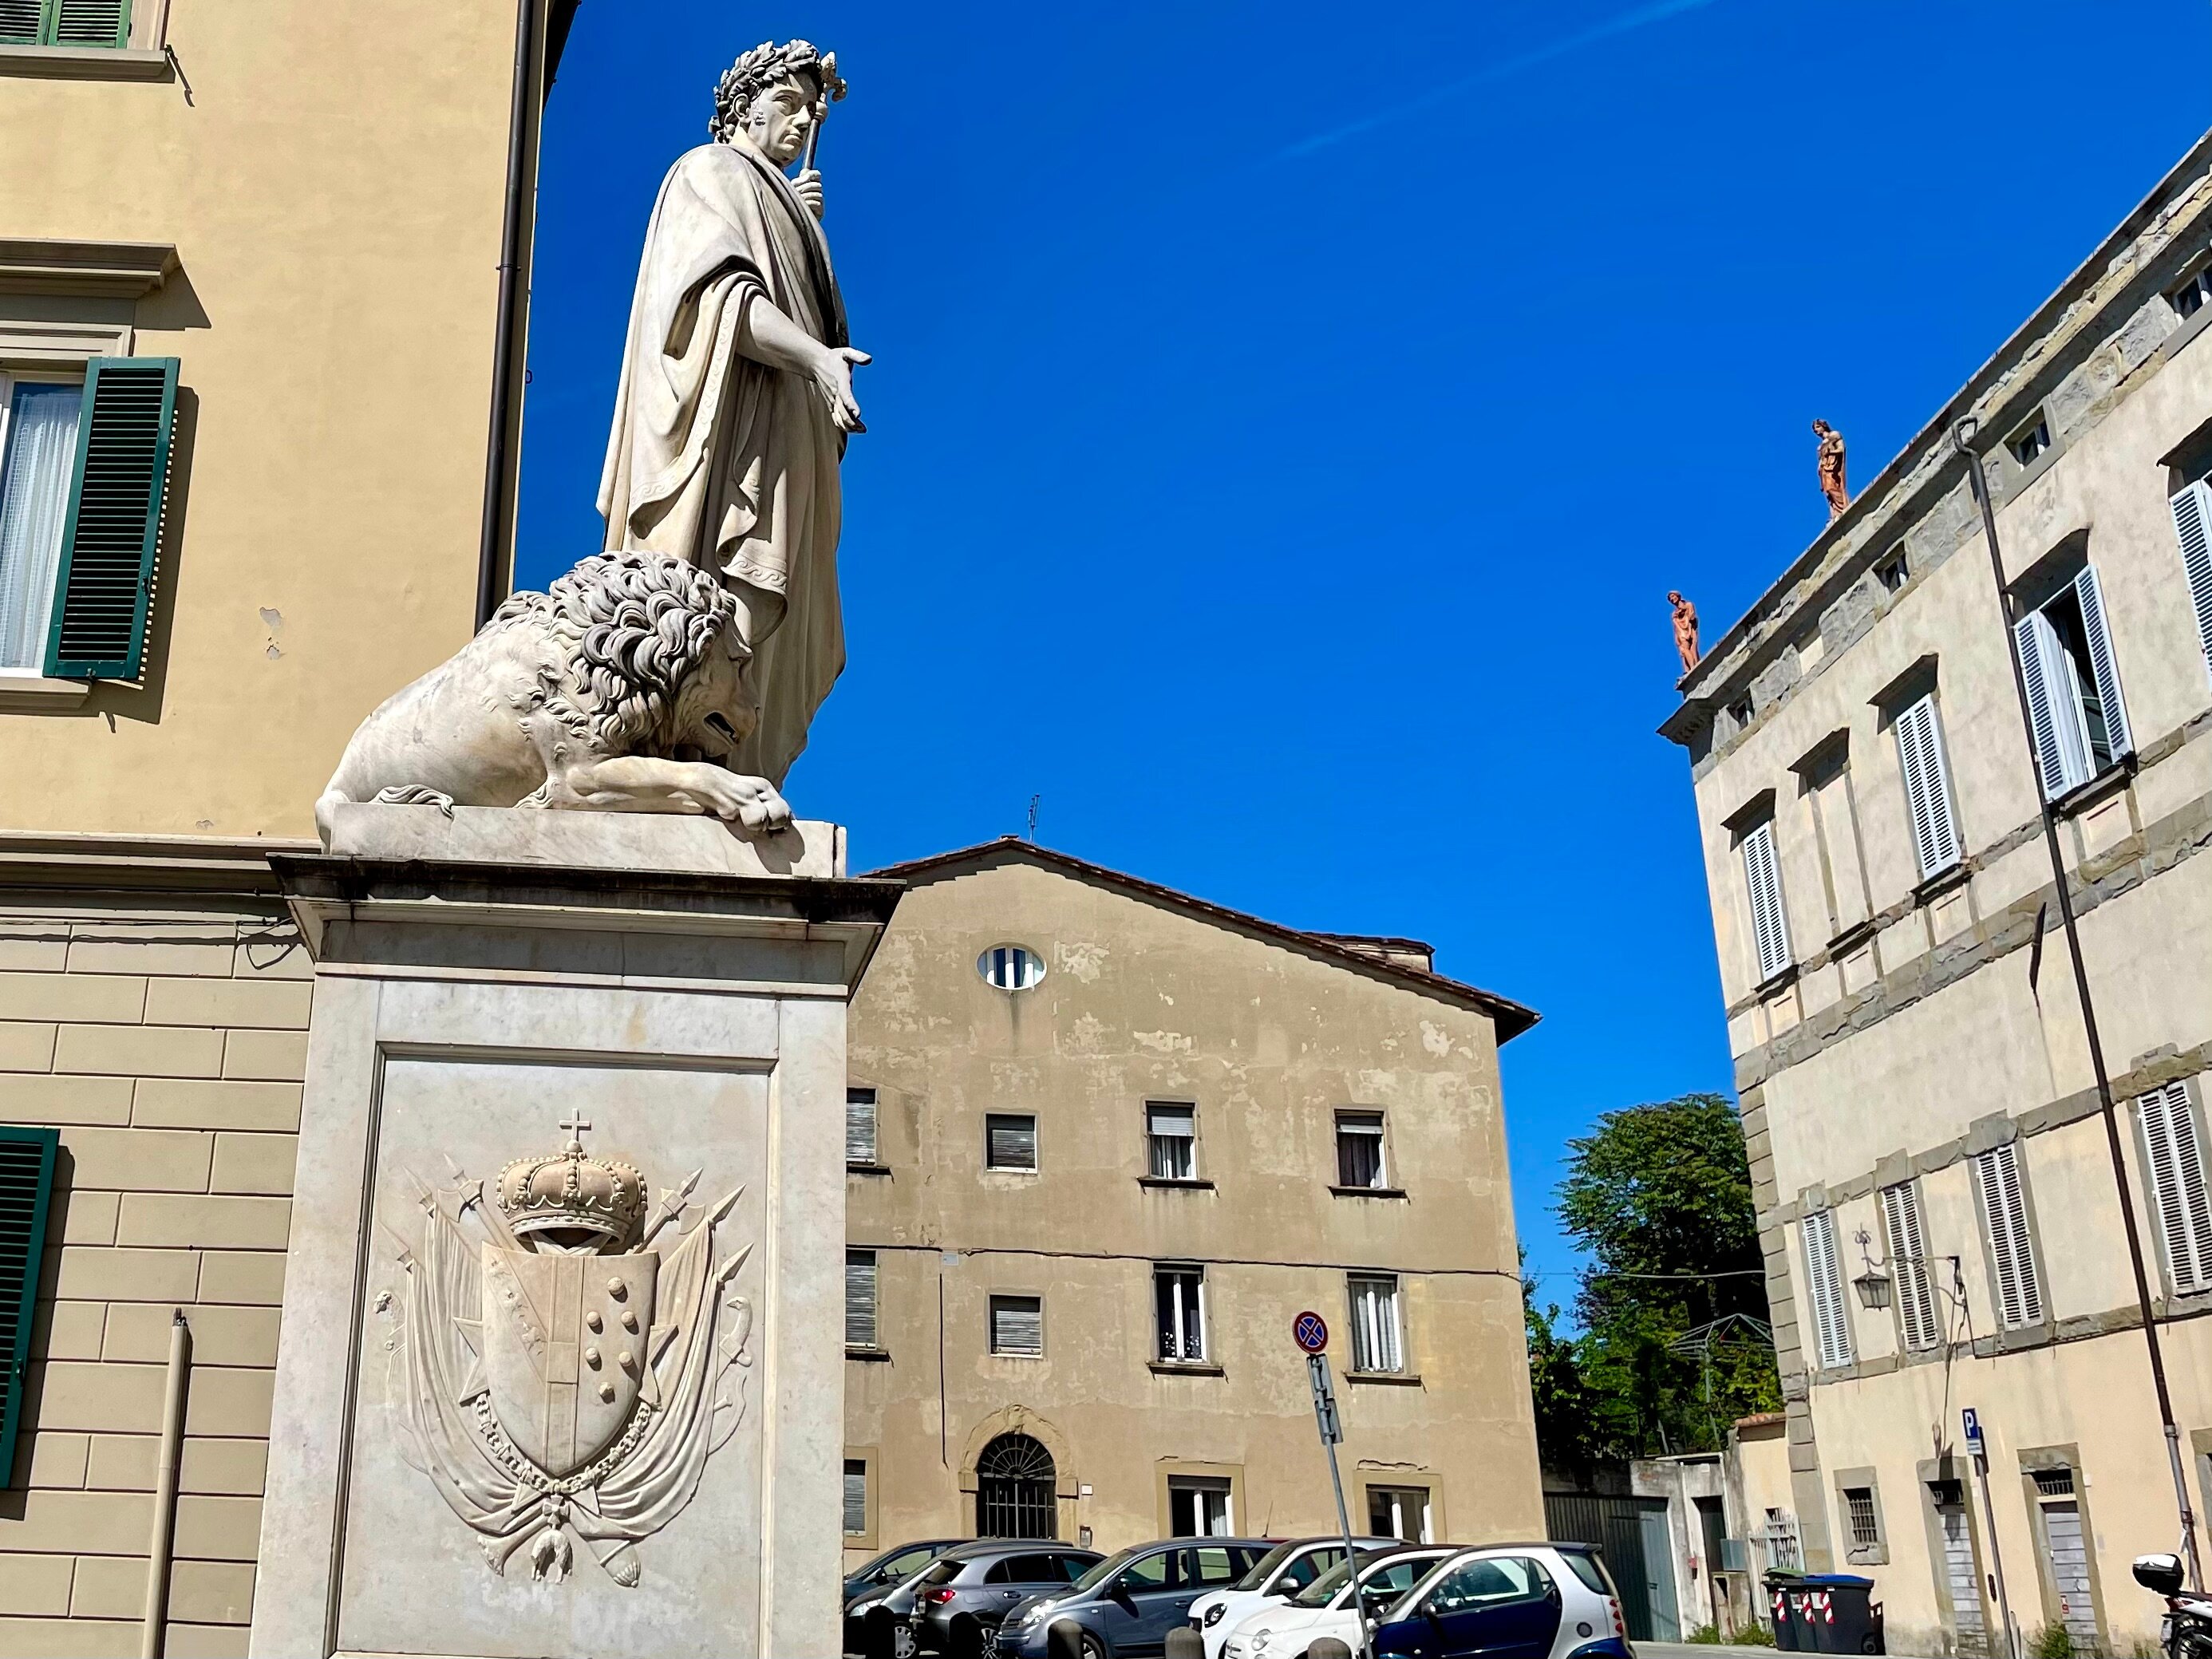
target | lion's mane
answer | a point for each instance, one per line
(627, 629)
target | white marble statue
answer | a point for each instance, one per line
(736, 394)
(621, 689)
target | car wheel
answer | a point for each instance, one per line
(1094, 1647)
(881, 1637)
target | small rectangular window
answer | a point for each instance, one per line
(38, 454)
(2188, 298)
(2174, 1158)
(1401, 1512)
(2030, 440)
(1762, 877)
(1199, 1507)
(856, 1497)
(1172, 1132)
(861, 1127)
(1927, 789)
(1824, 1280)
(1740, 713)
(1359, 1150)
(1179, 1294)
(1377, 1342)
(1858, 1509)
(1010, 1140)
(2003, 1204)
(1018, 1325)
(2080, 721)
(861, 1327)
(1893, 572)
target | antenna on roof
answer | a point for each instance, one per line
(1034, 799)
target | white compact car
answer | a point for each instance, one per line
(1278, 1576)
(1324, 1607)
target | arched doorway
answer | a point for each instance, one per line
(1014, 1490)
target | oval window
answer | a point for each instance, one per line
(1011, 967)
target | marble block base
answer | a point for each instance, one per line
(497, 1437)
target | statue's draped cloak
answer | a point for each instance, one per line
(718, 459)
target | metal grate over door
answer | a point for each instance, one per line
(1014, 1490)
(1961, 1580)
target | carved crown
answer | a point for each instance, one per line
(571, 1189)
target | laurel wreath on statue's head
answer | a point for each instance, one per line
(766, 65)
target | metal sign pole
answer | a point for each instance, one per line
(1310, 1333)
(1978, 1450)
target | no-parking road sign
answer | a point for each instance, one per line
(1310, 1332)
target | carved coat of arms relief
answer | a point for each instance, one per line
(554, 1376)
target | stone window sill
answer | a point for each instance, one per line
(1193, 1185)
(868, 1169)
(85, 63)
(2083, 796)
(1782, 980)
(1851, 938)
(26, 692)
(1368, 1192)
(1940, 882)
(1184, 1368)
(1391, 1379)
(873, 1356)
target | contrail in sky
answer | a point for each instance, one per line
(1636, 17)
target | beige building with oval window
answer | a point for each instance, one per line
(1917, 1090)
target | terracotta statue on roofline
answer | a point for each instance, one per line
(1685, 630)
(1829, 460)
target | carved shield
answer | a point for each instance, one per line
(564, 1349)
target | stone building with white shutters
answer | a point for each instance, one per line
(1936, 1187)
(1106, 1141)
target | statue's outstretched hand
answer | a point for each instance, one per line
(833, 378)
(808, 188)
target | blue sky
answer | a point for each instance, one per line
(1286, 421)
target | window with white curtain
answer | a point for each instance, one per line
(2003, 1200)
(1908, 1263)
(856, 1496)
(1172, 1132)
(37, 453)
(2173, 1158)
(1824, 1284)
(1180, 1295)
(1359, 1150)
(2073, 686)
(1377, 1334)
(1762, 879)
(860, 1328)
(1927, 789)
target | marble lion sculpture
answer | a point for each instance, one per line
(622, 688)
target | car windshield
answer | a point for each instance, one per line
(943, 1573)
(1265, 1568)
(1323, 1590)
(1105, 1571)
(900, 1563)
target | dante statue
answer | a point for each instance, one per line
(1829, 460)
(736, 395)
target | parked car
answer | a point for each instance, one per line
(1509, 1601)
(1125, 1606)
(955, 1605)
(1325, 1607)
(872, 1579)
(1279, 1575)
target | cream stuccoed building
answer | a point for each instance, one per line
(1942, 1221)
(1106, 1141)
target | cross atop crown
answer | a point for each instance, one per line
(575, 1124)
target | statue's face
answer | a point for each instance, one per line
(778, 120)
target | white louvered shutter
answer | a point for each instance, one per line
(856, 1495)
(2004, 1217)
(2117, 738)
(1927, 789)
(860, 1125)
(2051, 705)
(1824, 1280)
(2192, 525)
(861, 1299)
(1762, 877)
(1908, 1257)
(2177, 1185)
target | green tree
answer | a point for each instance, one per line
(1673, 1308)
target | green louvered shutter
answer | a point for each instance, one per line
(22, 22)
(26, 1182)
(106, 582)
(91, 22)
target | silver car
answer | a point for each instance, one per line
(955, 1607)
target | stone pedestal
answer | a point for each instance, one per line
(498, 1436)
